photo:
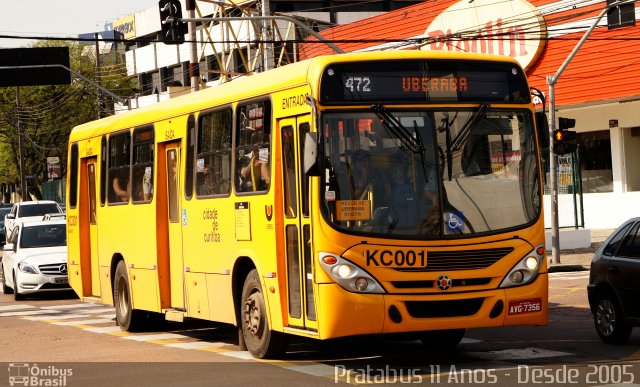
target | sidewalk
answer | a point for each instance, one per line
(579, 259)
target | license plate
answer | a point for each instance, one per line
(525, 306)
(60, 280)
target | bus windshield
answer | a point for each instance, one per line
(429, 173)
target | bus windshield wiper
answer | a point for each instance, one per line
(461, 138)
(394, 125)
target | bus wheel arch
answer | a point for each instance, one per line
(255, 333)
(241, 270)
(127, 318)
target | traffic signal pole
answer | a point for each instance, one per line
(551, 81)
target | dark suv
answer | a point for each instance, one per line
(614, 284)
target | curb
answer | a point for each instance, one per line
(559, 268)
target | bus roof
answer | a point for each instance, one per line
(281, 78)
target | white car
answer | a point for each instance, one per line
(35, 258)
(26, 211)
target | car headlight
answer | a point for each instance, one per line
(348, 275)
(526, 270)
(26, 268)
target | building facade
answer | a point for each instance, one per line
(597, 87)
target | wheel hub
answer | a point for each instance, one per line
(253, 315)
(605, 317)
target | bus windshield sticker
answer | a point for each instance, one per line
(353, 210)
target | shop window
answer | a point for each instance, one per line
(621, 16)
(595, 161)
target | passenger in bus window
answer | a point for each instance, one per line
(367, 180)
(257, 171)
(147, 184)
(121, 187)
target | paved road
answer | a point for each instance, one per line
(46, 331)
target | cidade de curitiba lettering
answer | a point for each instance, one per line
(492, 39)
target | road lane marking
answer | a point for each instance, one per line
(16, 307)
(55, 317)
(159, 336)
(239, 355)
(71, 306)
(84, 322)
(29, 313)
(196, 345)
(319, 369)
(518, 354)
(103, 329)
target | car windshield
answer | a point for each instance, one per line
(430, 173)
(37, 209)
(45, 235)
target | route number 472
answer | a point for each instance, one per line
(358, 84)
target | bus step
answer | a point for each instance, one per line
(93, 299)
(174, 315)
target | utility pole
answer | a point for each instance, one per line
(194, 66)
(551, 81)
(268, 37)
(23, 180)
(98, 95)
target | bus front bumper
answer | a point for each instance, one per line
(346, 314)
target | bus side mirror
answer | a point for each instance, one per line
(542, 125)
(311, 155)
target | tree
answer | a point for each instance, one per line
(48, 113)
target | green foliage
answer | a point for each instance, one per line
(48, 113)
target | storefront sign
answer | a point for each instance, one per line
(514, 28)
(126, 26)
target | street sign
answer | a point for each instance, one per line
(42, 67)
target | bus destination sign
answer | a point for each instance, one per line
(441, 81)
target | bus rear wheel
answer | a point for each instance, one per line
(442, 339)
(261, 341)
(127, 318)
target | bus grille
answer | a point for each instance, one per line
(462, 260)
(431, 284)
(451, 308)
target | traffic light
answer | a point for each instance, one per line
(564, 141)
(172, 27)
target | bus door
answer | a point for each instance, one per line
(176, 261)
(89, 237)
(297, 223)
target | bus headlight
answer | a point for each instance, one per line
(526, 270)
(348, 275)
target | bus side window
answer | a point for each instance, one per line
(119, 171)
(143, 149)
(253, 159)
(214, 153)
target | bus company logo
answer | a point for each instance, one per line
(444, 282)
(24, 374)
(268, 211)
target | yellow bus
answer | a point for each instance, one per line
(356, 194)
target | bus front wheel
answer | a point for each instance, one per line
(127, 318)
(261, 341)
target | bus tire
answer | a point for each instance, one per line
(127, 318)
(259, 339)
(449, 338)
(5, 288)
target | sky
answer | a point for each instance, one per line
(61, 18)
